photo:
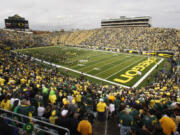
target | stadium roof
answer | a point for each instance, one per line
(127, 18)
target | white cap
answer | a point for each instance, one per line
(64, 112)
(101, 100)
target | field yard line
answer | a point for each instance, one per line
(93, 54)
(80, 58)
(112, 66)
(124, 68)
(59, 66)
(108, 64)
(147, 73)
(110, 57)
(89, 60)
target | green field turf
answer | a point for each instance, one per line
(101, 64)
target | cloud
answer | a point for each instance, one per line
(45, 14)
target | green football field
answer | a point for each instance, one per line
(110, 67)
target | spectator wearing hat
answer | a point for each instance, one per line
(101, 109)
(63, 121)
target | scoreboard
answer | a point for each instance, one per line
(16, 23)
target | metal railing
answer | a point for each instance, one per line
(8, 115)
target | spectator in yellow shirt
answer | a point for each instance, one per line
(101, 109)
(6, 103)
(84, 126)
(2, 80)
(168, 125)
(53, 117)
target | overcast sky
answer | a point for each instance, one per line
(87, 14)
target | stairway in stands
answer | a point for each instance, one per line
(100, 128)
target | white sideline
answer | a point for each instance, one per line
(59, 66)
(142, 78)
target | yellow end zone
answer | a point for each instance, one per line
(130, 74)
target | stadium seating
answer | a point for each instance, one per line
(126, 38)
(48, 93)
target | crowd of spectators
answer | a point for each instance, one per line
(140, 38)
(19, 39)
(42, 92)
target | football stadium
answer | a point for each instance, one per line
(122, 78)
